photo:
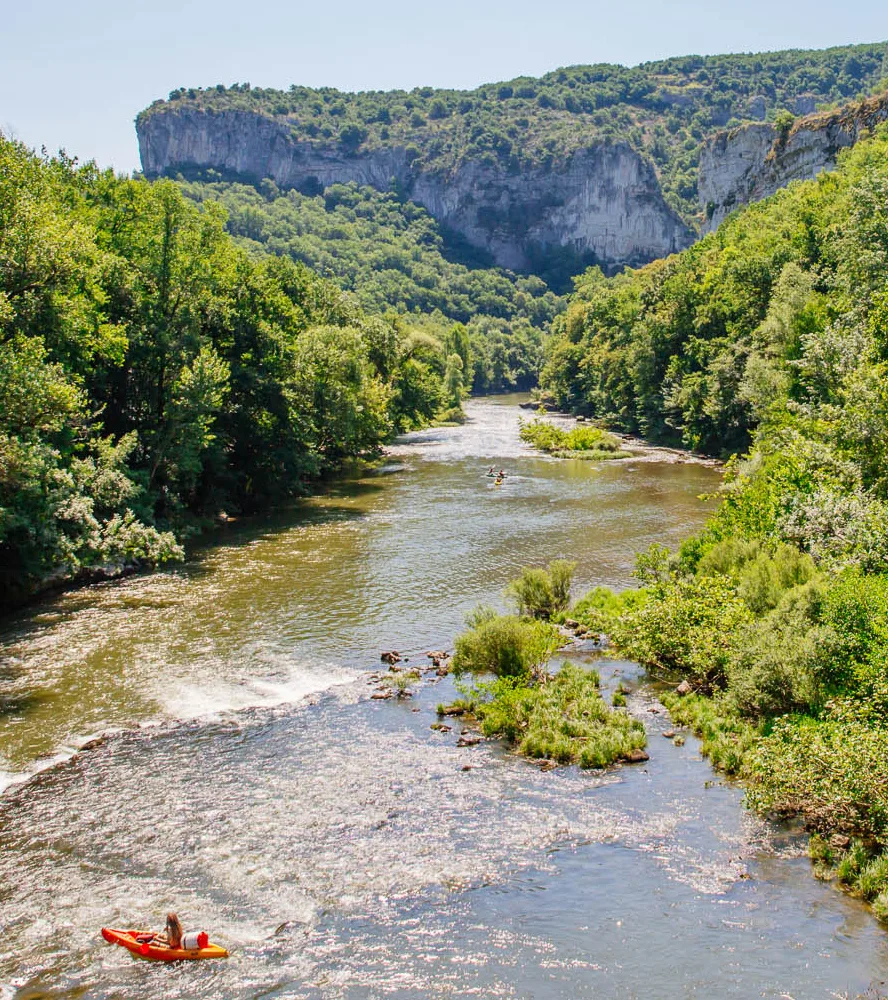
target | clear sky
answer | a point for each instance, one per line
(75, 74)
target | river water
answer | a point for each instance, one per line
(336, 844)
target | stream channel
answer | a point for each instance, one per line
(336, 844)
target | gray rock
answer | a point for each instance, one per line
(751, 162)
(604, 199)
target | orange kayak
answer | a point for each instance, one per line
(139, 943)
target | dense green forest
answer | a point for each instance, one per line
(390, 255)
(699, 348)
(154, 374)
(773, 332)
(663, 108)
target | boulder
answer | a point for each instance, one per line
(684, 688)
(391, 656)
(637, 756)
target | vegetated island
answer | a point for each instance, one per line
(558, 716)
(583, 441)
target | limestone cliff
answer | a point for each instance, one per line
(603, 201)
(749, 163)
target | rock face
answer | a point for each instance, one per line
(604, 202)
(752, 162)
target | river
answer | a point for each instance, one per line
(336, 844)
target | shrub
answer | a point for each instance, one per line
(774, 668)
(504, 645)
(687, 625)
(833, 773)
(543, 593)
(601, 607)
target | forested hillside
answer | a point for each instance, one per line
(664, 109)
(390, 254)
(772, 331)
(767, 312)
(153, 374)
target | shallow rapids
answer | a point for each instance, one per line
(336, 845)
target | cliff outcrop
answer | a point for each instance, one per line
(751, 162)
(602, 202)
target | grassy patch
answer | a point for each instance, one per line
(726, 738)
(563, 719)
(583, 441)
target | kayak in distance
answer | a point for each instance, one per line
(143, 945)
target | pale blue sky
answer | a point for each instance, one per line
(74, 75)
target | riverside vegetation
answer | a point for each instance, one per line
(771, 333)
(390, 255)
(153, 374)
(560, 716)
(591, 443)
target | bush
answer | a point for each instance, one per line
(774, 669)
(504, 645)
(833, 773)
(543, 593)
(687, 625)
(601, 608)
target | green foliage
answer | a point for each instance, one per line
(662, 108)
(453, 381)
(152, 373)
(543, 593)
(582, 441)
(600, 609)
(686, 625)
(564, 718)
(726, 738)
(774, 319)
(831, 772)
(390, 254)
(504, 646)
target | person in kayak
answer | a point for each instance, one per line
(491, 471)
(171, 934)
